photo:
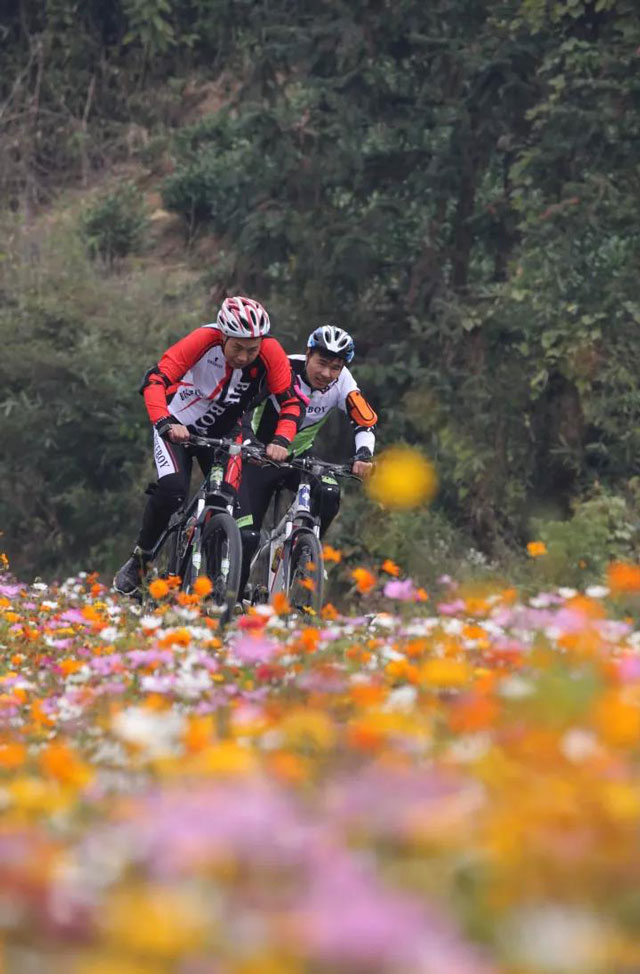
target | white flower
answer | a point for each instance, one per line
(109, 634)
(567, 593)
(156, 733)
(452, 627)
(150, 622)
(470, 747)
(401, 698)
(515, 687)
(597, 591)
(557, 938)
(578, 744)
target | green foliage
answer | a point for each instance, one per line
(149, 26)
(603, 528)
(115, 225)
(76, 444)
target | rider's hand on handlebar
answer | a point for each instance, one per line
(276, 452)
(178, 433)
(362, 468)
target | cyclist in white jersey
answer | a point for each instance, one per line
(323, 378)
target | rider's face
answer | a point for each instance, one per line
(240, 352)
(322, 369)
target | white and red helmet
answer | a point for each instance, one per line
(243, 318)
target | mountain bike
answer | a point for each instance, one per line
(202, 536)
(289, 558)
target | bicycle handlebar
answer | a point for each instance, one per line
(308, 464)
(253, 451)
(250, 451)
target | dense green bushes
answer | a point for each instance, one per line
(75, 451)
(115, 225)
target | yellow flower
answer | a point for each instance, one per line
(226, 759)
(158, 923)
(444, 673)
(537, 548)
(308, 728)
(402, 478)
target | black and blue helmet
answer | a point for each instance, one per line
(336, 341)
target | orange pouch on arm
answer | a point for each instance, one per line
(359, 410)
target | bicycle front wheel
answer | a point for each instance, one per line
(305, 587)
(222, 561)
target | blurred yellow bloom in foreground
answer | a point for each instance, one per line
(155, 922)
(402, 478)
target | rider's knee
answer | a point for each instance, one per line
(328, 503)
(168, 492)
(250, 540)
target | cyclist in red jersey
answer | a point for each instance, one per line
(202, 385)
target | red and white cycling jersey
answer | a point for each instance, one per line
(194, 383)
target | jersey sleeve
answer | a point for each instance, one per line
(176, 361)
(361, 414)
(282, 386)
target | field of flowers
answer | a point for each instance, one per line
(445, 782)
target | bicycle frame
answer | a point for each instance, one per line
(209, 497)
(278, 544)
(298, 514)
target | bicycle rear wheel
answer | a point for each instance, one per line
(222, 561)
(305, 587)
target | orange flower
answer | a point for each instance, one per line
(367, 694)
(199, 732)
(537, 548)
(203, 586)
(280, 603)
(617, 720)
(331, 554)
(158, 588)
(12, 755)
(329, 611)
(290, 768)
(364, 579)
(623, 578)
(390, 567)
(70, 666)
(60, 762)
(309, 638)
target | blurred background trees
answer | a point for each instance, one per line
(457, 183)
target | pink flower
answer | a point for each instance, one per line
(403, 591)
(254, 649)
